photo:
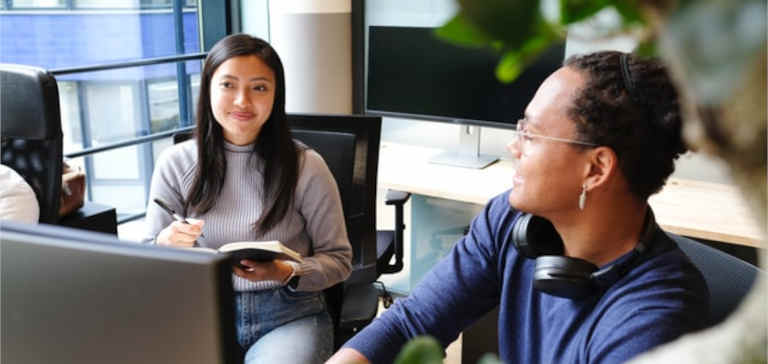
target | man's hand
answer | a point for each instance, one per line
(348, 356)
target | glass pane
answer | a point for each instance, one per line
(108, 4)
(112, 111)
(156, 3)
(120, 4)
(44, 39)
(71, 125)
(194, 83)
(117, 164)
(163, 105)
(38, 3)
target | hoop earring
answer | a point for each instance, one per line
(583, 197)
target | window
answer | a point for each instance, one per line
(38, 3)
(100, 108)
(95, 4)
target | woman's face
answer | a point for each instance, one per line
(242, 95)
(549, 173)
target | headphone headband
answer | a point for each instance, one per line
(536, 238)
(626, 75)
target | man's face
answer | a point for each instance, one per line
(549, 172)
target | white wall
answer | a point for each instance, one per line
(314, 41)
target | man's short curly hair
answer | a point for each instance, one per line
(637, 114)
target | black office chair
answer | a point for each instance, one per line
(349, 144)
(31, 132)
(32, 144)
(728, 278)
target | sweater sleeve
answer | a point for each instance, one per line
(17, 199)
(320, 205)
(457, 291)
(171, 167)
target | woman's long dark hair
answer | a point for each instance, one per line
(274, 144)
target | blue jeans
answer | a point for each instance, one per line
(282, 326)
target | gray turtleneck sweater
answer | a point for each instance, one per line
(315, 225)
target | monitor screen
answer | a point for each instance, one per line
(70, 296)
(412, 73)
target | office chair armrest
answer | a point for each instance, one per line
(397, 198)
(92, 216)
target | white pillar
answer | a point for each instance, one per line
(314, 40)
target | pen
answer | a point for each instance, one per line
(170, 211)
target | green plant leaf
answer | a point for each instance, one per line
(509, 21)
(572, 11)
(514, 61)
(629, 11)
(647, 48)
(460, 31)
(421, 350)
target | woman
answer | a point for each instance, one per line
(603, 282)
(243, 178)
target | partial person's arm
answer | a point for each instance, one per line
(18, 201)
(320, 204)
(454, 293)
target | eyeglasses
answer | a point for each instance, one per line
(522, 138)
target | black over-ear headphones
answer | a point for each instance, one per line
(558, 275)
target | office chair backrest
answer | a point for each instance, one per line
(729, 279)
(349, 144)
(31, 132)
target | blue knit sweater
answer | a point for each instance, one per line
(661, 297)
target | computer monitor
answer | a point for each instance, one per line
(70, 296)
(413, 74)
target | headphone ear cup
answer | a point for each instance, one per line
(534, 236)
(564, 276)
(520, 237)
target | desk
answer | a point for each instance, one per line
(696, 209)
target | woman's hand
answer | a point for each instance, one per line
(181, 234)
(276, 270)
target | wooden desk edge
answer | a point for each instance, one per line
(752, 237)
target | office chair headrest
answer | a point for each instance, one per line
(29, 103)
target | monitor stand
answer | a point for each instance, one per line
(467, 153)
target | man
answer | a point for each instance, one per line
(591, 278)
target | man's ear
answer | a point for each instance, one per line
(602, 166)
